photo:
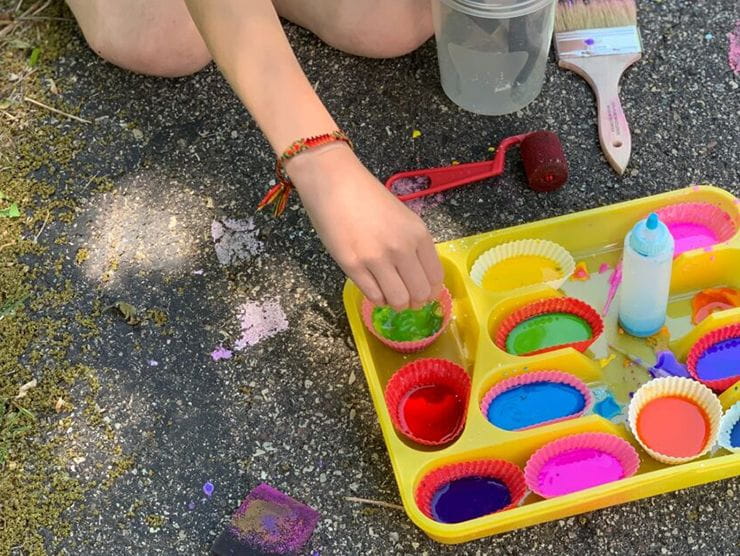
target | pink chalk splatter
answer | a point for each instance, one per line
(221, 353)
(404, 186)
(235, 240)
(733, 54)
(259, 321)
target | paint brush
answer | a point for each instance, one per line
(599, 40)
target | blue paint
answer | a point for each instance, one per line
(668, 365)
(735, 436)
(607, 407)
(534, 403)
(589, 41)
(468, 498)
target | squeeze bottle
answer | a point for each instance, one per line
(646, 277)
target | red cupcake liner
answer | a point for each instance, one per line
(540, 376)
(569, 305)
(608, 443)
(445, 301)
(425, 372)
(704, 343)
(498, 469)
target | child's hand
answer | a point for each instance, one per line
(379, 243)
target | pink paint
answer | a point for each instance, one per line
(603, 267)
(221, 353)
(259, 321)
(614, 281)
(733, 54)
(689, 235)
(404, 186)
(578, 469)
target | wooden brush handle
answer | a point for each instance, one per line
(603, 74)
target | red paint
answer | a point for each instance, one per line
(432, 412)
(673, 426)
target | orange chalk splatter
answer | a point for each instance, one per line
(580, 273)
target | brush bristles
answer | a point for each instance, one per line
(573, 15)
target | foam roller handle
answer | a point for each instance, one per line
(544, 161)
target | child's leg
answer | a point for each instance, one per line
(155, 37)
(372, 28)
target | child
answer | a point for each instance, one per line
(379, 243)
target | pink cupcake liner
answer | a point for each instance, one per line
(498, 469)
(540, 376)
(711, 216)
(427, 372)
(569, 305)
(705, 342)
(610, 444)
(445, 301)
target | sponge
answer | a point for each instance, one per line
(544, 161)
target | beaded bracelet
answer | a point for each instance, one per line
(280, 193)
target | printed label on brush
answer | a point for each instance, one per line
(468, 498)
(532, 404)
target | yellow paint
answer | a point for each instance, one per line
(604, 362)
(416, 133)
(517, 272)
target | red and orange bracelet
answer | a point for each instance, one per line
(280, 193)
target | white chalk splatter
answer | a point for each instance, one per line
(259, 321)
(235, 240)
(153, 363)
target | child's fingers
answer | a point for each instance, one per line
(415, 279)
(369, 286)
(429, 259)
(394, 290)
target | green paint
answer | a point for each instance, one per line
(548, 330)
(409, 325)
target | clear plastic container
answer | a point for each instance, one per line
(492, 53)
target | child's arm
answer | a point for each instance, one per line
(380, 244)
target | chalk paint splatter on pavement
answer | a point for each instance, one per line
(221, 353)
(259, 321)
(405, 186)
(235, 240)
(733, 54)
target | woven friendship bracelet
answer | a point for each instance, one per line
(279, 194)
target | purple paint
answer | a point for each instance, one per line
(208, 488)
(733, 53)
(721, 360)
(468, 498)
(668, 365)
(589, 41)
(259, 321)
(191, 506)
(221, 353)
(689, 235)
(579, 469)
(404, 186)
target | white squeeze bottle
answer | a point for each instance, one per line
(646, 277)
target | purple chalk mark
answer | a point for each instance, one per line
(273, 521)
(198, 272)
(221, 353)
(668, 365)
(259, 321)
(208, 489)
(153, 363)
(589, 41)
(404, 186)
(733, 53)
(191, 506)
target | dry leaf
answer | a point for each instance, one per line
(25, 388)
(60, 406)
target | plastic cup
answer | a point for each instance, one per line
(492, 53)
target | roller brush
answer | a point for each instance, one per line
(542, 157)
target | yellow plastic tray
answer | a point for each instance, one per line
(594, 236)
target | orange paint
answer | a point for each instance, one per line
(673, 426)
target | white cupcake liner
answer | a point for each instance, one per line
(728, 422)
(677, 387)
(523, 248)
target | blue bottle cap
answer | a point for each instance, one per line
(650, 237)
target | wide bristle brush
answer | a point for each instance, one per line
(599, 40)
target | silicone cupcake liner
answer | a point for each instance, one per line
(521, 248)
(499, 469)
(607, 443)
(705, 342)
(427, 372)
(445, 302)
(540, 376)
(730, 419)
(569, 305)
(711, 216)
(675, 386)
